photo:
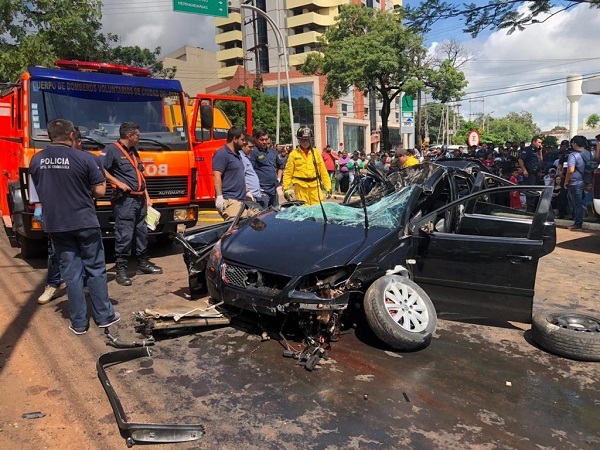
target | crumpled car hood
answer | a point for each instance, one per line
(296, 248)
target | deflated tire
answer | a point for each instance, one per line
(400, 313)
(574, 336)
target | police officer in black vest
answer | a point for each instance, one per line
(530, 162)
(124, 170)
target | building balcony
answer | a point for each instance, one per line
(311, 18)
(307, 38)
(233, 18)
(225, 73)
(229, 54)
(292, 4)
(299, 59)
(229, 36)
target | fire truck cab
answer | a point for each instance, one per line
(97, 98)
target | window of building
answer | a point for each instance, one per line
(302, 102)
(333, 131)
(354, 138)
(344, 109)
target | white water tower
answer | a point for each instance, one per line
(574, 83)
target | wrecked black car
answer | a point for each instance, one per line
(429, 239)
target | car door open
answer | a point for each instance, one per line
(483, 263)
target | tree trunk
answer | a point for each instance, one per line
(418, 137)
(386, 144)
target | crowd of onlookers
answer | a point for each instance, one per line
(500, 159)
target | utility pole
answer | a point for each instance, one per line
(283, 53)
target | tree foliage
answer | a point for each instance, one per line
(495, 15)
(593, 120)
(373, 51)
(264, 113)
(514, 127)
(40, 32)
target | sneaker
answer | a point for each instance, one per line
(576, 228)
(110, 322)
(78, 330)
(51, 292)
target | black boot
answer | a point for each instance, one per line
(145, 266)
(122, 277)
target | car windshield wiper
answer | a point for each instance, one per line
(93, 141)
(154, 141)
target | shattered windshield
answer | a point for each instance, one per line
(99, 111)
(386, 213)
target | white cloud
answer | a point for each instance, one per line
(154, 24)
(542, 52)
(565, 44)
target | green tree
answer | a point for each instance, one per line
(550, 141)
(593, 120)
(264, 113)
(514, 127)
(40, 32)
(495, 15)
(374, 51)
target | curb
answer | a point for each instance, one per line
(587, 226)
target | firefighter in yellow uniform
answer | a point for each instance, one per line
(306, 171)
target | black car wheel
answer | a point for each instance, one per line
(575, 336)
(400, 313)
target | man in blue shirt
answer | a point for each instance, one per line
(67, 181)
(574, 180)
(252, 181)
(228, 175)
(266, 165)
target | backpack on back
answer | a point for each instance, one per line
(588, 172)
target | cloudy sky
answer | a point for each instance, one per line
(502, 72)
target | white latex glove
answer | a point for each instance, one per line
(249, 196)
(219, 202)
(280, 190)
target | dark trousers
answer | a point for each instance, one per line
(81, 254)
(531, 180)
(344, 182)
(576, 201)
(130, 227)
(273, 198)
(53, 278)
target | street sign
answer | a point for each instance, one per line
(408, 120)
(407, 104)
(473, 138)
(216, 8)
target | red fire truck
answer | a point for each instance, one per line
(96, 97)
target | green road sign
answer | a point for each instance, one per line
(216, 8)
(407, 104)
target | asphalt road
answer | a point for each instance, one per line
(477, 386)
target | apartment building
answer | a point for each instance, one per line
(249, 50)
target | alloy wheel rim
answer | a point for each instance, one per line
(406, 307)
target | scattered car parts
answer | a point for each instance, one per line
(205, 315)
(144, 433)
(574, 336)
